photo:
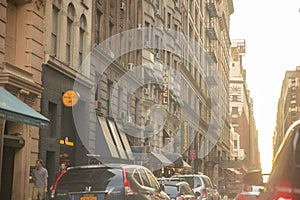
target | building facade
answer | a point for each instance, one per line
(241, 107)
(21, 58)
(67, 38)
(288, 106)
(170, 31)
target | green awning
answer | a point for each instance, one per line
(13, 109)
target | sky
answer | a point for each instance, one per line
(271, 29)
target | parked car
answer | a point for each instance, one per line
(247, 196)
(109, 182)
(180, 191)
(283, 182)
(202, 184)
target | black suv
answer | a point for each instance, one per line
(284, 182)
(109, 182)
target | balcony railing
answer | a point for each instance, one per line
(212, 54)
(212, 8)
(211, 30)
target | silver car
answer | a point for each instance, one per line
(202, 184)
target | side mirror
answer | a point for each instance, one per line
(161, 187)
(197, 194)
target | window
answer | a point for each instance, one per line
(154, 184)
(235, 98)
(169, 20)
(157, 4)
(156, 44)
(137, 177)
(144, 178)
(235, 144)
(234, 110)
(191, 5)
(109, 95)
(234, 121)
(147, 25)
(98, 26)
(168, 58)
(54, 33)
(111, 27)
(82, 33)
(70, 20)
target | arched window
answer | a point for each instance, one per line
(82, 33)
(56, 6)
(70, 20)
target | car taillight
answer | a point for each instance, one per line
(180, 198)
(128, 189)
(242, 198)
(204, 193)
(283, 191)
(284, 198)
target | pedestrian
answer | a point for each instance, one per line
(40, 178)
(62, 171)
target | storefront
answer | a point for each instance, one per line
(16, 142)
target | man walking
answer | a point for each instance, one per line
(40, 178)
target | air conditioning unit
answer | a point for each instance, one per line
(111, 54)
(147, 143)
(156, 55)
(122, 6)
(130, 67)
(147, 43)
(146, 91)
(157, 12)
(129, 119)
(139, 26)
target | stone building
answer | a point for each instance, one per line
(21, 58)
(241, 107)
(288, 106)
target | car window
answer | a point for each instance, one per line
(189, 180)
(136, 177)
(98, 179)
(297, 149)
(197, 182)
(185, 189)
(152, 180)
(144, 178)
(207, 182)
(171, 190)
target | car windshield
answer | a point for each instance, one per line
(98, 179)
(171, 190)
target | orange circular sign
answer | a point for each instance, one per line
(70, 98)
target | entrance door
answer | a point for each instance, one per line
(7, 172)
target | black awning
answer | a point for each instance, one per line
(160, 158)
(13, 109)
(177, 159)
